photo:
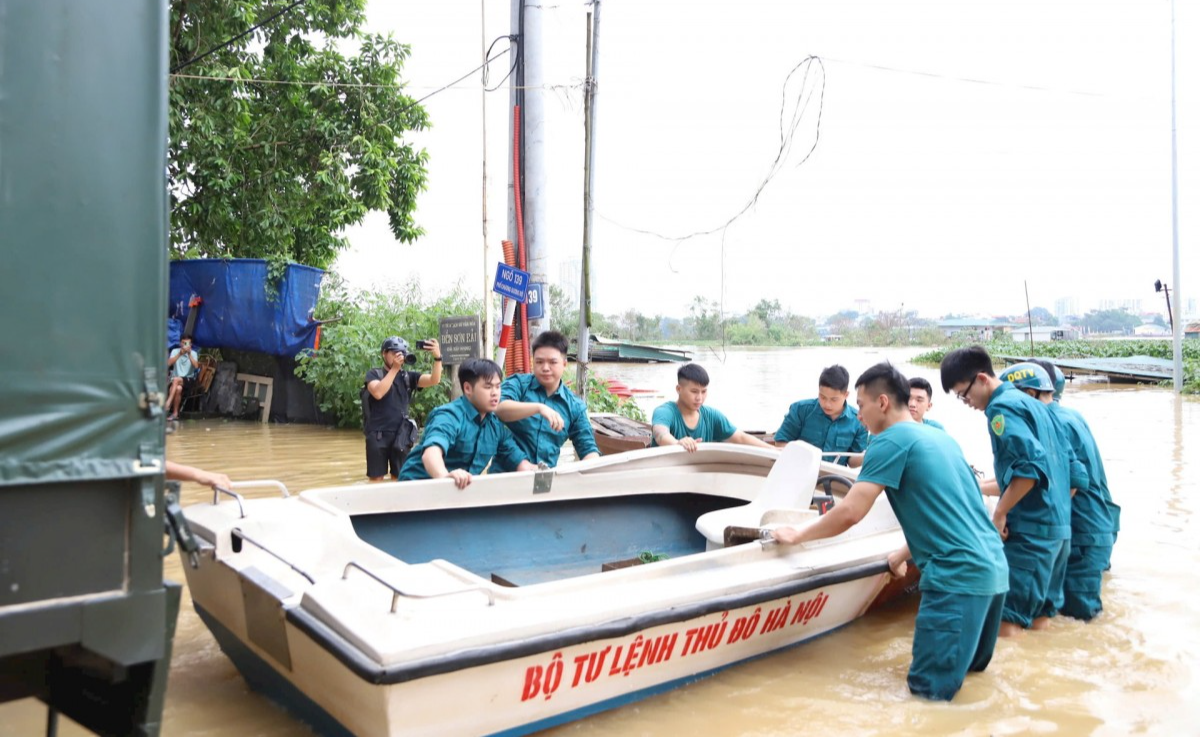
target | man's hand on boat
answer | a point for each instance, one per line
(898, 562)
(180, 472)
(462, 479)
(848, 512)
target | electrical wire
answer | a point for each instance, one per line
(238, 37)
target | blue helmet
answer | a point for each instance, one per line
(1028, 376)
(1060, 383)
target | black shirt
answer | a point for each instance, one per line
(386, 415)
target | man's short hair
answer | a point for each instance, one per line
(883, 378)
(836, 378)
(962, 364)
(694, 373)
(917, 382)
(474, 369)
(549, 339)
(188, 336)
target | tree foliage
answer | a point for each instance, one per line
(350, 347)
(260, 169)
(1110, 321)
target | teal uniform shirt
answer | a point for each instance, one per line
(805, 420)
(712, 426)
(533, 434)
(1091, 522)
(1025, 444)
(933, 423)
(936, 499)
(467, 440)
(1095, 464)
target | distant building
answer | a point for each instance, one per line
(1151, 330)
(975, 328)
(1192, 332)
(1065, 306)
(1133, 306)
(570, 279)
(1043, 333)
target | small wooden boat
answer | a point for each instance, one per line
(618, 434)
(605, 349)
(525, 600)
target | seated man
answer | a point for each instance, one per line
(936, 499)
(920, 401)
(687, 422)
(463, 436)
(182, 366)
(541, 411)
(827, 422)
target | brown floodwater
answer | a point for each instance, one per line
(1135, 669)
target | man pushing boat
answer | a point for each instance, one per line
(949, 535)
(462, 437)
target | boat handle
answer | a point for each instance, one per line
(217, 491)
(264, 482)
(237, 537)
(397, 593)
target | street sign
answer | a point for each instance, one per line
(535, 309)
(511, 282)
(459, 337)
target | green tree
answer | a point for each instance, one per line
(260, 169)
(1110, 321)
(350, 347)
(770, 312)
(1042, 316)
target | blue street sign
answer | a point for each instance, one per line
(534, 308)
(511, 282)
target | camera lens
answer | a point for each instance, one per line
(410, 358)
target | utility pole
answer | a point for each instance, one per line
(488, 263)
(1177, 328)
(533, 136)
(589, 179)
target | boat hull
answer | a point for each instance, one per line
(417, 608)
(324, 686)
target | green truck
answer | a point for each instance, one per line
(86, 619)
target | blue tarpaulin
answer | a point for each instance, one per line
(235, 310)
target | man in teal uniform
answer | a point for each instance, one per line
(463, 436)
(920, 401)
(1114, 511)
(687, 422)
(1033, 514)
(827, 422)
(1091, 519)
(936, 499)
(541, 411)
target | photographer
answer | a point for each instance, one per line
(387, 393)
(181, 364)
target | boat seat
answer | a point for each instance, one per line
(789, 486)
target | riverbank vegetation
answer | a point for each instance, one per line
(350, 348)
(1067, 349)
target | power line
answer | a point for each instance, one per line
(969, 80)
(238, 37)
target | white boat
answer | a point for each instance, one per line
(416, 608)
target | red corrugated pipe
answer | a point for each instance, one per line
(520, 354)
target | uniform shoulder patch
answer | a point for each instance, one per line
(998, 425)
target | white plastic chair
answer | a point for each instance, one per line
(788, 486)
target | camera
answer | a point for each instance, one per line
(423, 344)
(410, 358)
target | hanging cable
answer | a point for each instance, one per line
(236, 38)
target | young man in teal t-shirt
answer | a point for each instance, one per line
(1032, 479)
(687, 422)
(936, 499)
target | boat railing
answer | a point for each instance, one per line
(397, 592)
(262, 482)
(218, 490)
(239, 537)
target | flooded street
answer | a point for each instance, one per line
(1135, 669)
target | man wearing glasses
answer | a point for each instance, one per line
(1032, 480)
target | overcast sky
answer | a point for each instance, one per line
(965, 147)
